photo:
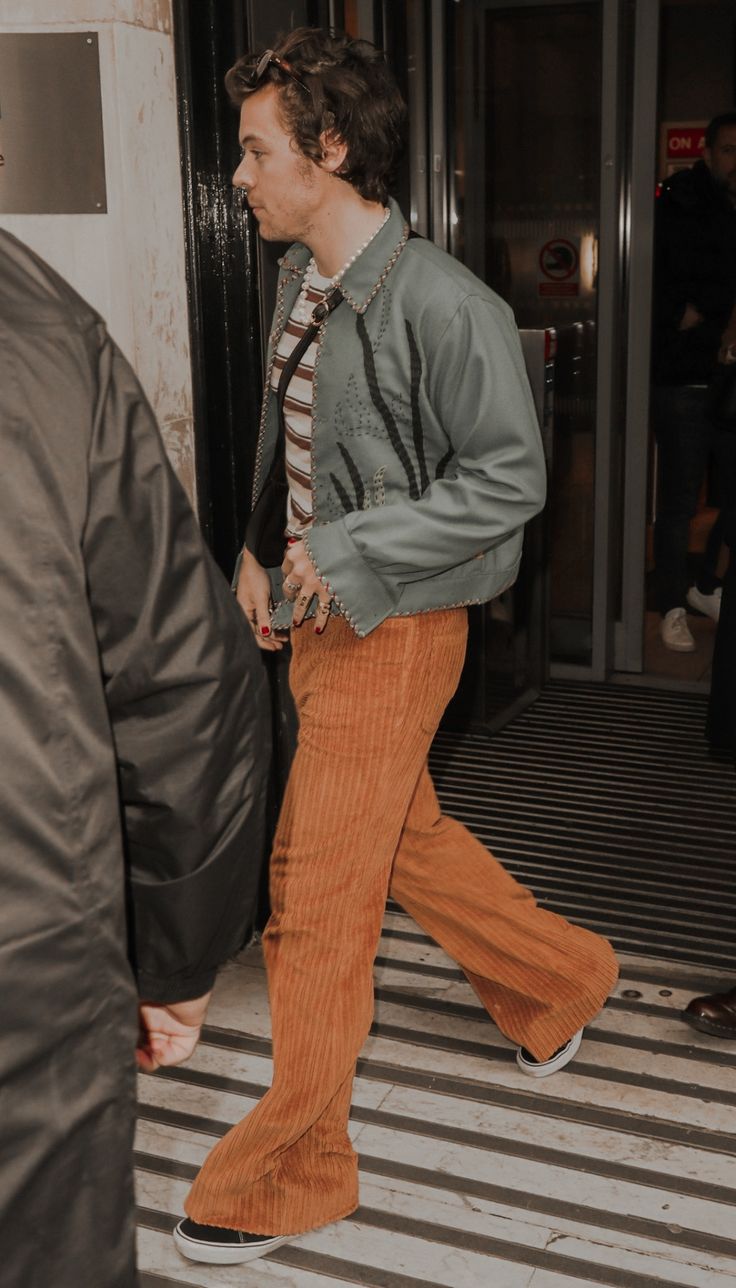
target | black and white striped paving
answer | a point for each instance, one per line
(619, 1171)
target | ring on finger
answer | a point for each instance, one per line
(323, 606)
(303, 600)
(293, 586)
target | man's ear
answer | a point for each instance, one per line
(334, 152)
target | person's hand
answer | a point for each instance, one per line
(168, 1034)
(690, 318)
(253, 593)
(301, 584)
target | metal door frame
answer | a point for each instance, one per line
(625, 255)
(629, 641)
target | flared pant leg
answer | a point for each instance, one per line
(539, 977)
(367, 711)
(359, 801)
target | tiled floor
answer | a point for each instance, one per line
(619, 1171)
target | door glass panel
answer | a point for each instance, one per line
(524, 130)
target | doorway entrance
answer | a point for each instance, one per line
(535, 155)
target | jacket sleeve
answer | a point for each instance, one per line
(496, 482)
(186, 697)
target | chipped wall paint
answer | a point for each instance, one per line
(129, 263)
(155, 15)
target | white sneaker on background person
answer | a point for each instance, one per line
(675, 631)
(708, 604)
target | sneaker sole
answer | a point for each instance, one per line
(679, 648)
(217, 1254)
(551, 1066)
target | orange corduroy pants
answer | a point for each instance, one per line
(360, 818)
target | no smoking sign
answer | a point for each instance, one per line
(559, 268)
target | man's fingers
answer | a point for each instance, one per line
(322, 611)
(266, 637)
(301, 604)
(322, 616)
(145, 1060)
(262, 624)
(258, 617)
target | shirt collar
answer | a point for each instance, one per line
(365, 277)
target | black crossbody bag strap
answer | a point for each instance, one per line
(264, 536)
(321, 311)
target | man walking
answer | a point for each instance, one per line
(412, 460)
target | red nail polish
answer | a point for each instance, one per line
(265, 630)
(318, 630)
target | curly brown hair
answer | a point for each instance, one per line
(332, 84)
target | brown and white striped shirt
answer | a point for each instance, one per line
(298, 412)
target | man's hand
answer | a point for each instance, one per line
(254, 596)
(168, 1034)
(690, 318)
(301, 584)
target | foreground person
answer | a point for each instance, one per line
(132, 728)
(413, 460)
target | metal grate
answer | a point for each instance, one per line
(609, 805)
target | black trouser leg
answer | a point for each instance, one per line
(684, 437)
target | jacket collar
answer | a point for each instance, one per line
(364, 279)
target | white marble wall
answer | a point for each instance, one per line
(130, 262)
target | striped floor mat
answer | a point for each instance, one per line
(619, 1171)
(607, 802)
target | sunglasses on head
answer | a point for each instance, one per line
(269, 58)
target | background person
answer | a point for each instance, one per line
(413, 460)
(716, 1013)
(133, 732)
(694, 293)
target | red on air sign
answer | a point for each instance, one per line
(685, 143)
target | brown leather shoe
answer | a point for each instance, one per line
(715, 1014)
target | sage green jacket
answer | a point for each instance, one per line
(426, 454)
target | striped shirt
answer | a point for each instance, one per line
(298, 412)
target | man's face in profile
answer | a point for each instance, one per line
(721, 159)
(285, 189)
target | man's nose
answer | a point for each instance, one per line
(240, 177)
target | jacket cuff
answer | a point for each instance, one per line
(342, 568)
(165, 992)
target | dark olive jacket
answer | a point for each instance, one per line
(133, 747)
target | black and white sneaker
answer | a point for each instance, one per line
(223, 1247)
(543, 1068)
